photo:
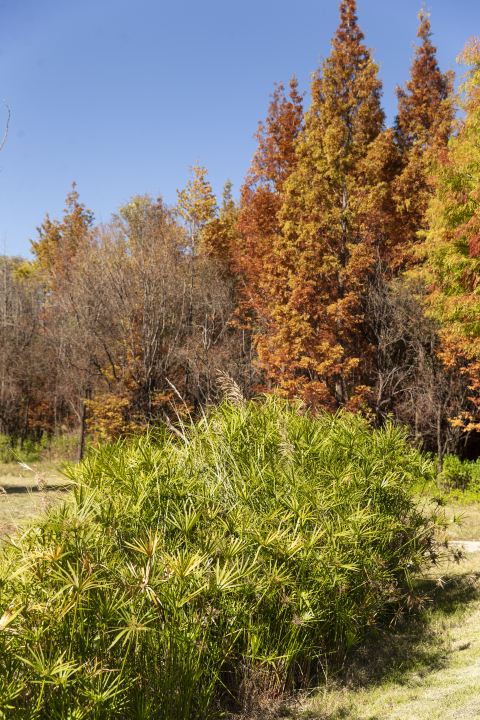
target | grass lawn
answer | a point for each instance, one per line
(22, 499)
(428, 668)
(470, 527)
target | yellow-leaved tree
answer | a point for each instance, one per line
(452, 242)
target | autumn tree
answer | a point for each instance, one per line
(22, 366)
(243, 239)
(220, 235)
(116, 316)
(210, 341)
(260, 280)
(423, 126)
(331, 227)
(453, 238)
(59, 240)
(130, 300)
(148, 327)
(222, 242)
(413, 380)
(196, 205)
(272, 164)
(128, 315)
(55, 250)
(35, 398)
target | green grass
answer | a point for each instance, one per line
(47, 450)
(182, 578)
(457, 484)
(21, 500)
(16, 509)
(468, 525)
(428, 668)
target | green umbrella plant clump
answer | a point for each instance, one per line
(182, 574)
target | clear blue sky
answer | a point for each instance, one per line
(121, 97)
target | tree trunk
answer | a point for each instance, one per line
(439, 440)
(25, 424)
(81, 438)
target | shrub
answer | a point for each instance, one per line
(460, 475)
(63, 447)
(182, 576)
(6, 450)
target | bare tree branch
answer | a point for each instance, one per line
(6, 128)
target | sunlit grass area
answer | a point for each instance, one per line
(19, 496)
(426, 668)
(16, 509)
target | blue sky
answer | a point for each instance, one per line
(121, 97)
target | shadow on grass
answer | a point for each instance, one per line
(21, 489)
(404, 654)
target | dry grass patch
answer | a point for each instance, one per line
(13, 475)
(19, 499)
(469, 529)
(16, 508)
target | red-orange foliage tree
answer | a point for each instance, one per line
(262, 279)
(254, 247)
(328, 230)
(423, 126)
(246, 239)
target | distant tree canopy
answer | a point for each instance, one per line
(346, 275)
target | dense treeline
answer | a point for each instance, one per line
(119, 322)
(346, 275)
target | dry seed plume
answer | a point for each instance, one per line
(230, 388)
(41, 481)
(286, 447)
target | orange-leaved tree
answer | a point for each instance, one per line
(220, 235)
(332, 227)
(245, 238)
(262, 281)
(423, 125)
